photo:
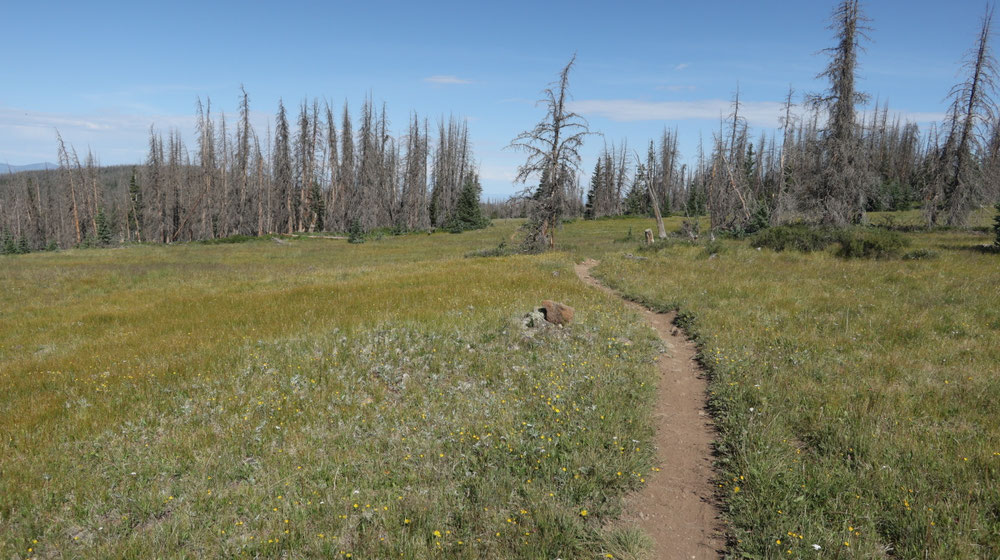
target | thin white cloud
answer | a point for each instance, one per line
(761, 113)
(919, 117)
(681, 66)
(446, 80)
(28, 136)
(91, 123)
(757, 113)
(498, 173)
(676, 88)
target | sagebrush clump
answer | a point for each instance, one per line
(798, 237)
(855, 242)
(866, 243)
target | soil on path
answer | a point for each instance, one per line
(677, 506)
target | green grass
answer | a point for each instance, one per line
(857, 399)
(238, 400)
(316, 399)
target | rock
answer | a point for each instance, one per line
(556, 313)
(534, 320)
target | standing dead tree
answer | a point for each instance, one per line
(730, 198)
(836, 195)
(66, 160)
(283, 216)
(450, 167)
(553, 148)
(303, 175)
(958, 186)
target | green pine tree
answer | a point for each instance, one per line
(468, 215)
(22, 246)
(7, 244)
(433, 207)
(317, 205)
(595, 183)
(637, 198)
(103, 228)
(996, 226)
(355, 234)
(696, 202)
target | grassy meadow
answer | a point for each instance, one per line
(314, 398)
(858, 400)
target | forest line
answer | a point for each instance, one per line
(827, 163)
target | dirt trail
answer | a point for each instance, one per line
(676, 507)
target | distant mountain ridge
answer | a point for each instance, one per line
(5, 168)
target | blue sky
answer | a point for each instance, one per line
(103, 72)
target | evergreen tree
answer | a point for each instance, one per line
(22, 246)
(696, 202)
(637, 199)
(355, 233)
(435, 203)
(996, 226)
(7, 245)
(103, 228)
(588, 207)
(317, 206)
(595, 184)
(467, 214)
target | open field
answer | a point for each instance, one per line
(858, 400)
(321, 399)
(315, 399)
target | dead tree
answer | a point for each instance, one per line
(346, 175)
(334, 192)
(66, 165)
(729, 198)
(451, 166)
(553, 148)
(959, 186)
(836, 195)
(282, 169)
(653, 199)
(242, 164)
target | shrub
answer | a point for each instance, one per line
(759, 220)
(237, 238)
(865, 243)
(713, 247)
(354, 233)
(501, 250)
(920, 255)
(798, 237)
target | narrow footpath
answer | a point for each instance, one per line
(676, 507)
